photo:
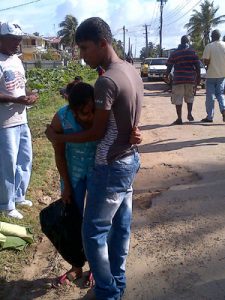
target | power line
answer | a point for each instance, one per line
(176, 11)
(184, 14)
(154, 11)
(11, 7)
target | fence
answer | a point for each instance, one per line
(44, 64)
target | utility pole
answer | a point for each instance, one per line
(129, 46)
(161, 24)
(124, 40)
(146, 40)
(135, 49)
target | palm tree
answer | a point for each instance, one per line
(201, 23)
(67, 32)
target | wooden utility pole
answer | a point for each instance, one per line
(146, 40)
(124, 40)
(161, 24)
(129, 46)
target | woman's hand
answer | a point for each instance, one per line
(67, 194)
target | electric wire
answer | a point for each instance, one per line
(16, 6)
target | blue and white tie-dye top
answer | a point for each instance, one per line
(80, 157)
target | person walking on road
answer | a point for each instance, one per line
(15, 138)
(186, 76)
(214, 59)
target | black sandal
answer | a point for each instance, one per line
(177, 122)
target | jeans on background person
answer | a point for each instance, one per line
(15, 165)
(214, 89)
(106, 224)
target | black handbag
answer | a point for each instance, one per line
(62, 223)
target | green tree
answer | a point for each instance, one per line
(201, 23)
(67, 32)
(118, 47)
(153, 51)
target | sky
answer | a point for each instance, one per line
(44, 16)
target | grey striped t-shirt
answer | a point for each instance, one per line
(120, 90)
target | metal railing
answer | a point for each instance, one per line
(44, 64)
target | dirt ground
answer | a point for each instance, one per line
(178, 234)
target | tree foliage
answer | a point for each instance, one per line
(152, 51)
(67, 32)
(118, 47)
(201, 23)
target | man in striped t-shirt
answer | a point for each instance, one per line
(186, 75)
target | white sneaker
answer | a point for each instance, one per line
(25, 203)
(14, 214)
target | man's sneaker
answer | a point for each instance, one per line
(25, 203)
(14, 214)
(206, 120)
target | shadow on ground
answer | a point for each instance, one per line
(24, 289)
(40, 288)
(164, 145)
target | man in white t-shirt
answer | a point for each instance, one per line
(15, 138)
(214, 58)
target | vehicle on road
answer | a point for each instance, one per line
(157, 68)
(144, 67)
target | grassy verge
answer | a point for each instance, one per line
(44, 183)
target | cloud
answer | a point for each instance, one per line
(44, 17)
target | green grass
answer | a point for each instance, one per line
(44, 182)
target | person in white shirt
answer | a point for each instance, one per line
(214, 59)
(15, 137)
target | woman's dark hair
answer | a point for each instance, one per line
(78, 78)
(69, 87)
(93, 29)
(80, 95)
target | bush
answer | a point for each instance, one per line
(54, 79)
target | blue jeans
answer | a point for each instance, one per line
(106, 224)
(214, 89)
(15, 164)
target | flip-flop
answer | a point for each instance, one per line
(89, 280)
(65, 279)
(61, 280)
(190, 118)
(177, 122)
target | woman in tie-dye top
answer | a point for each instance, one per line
(74, 161)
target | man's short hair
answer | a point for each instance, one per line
(216, 34)
(185, 40)
(93, 29)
